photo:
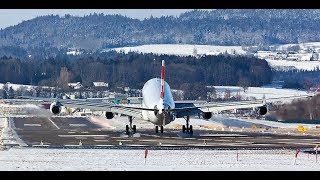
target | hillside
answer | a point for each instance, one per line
(44, 36)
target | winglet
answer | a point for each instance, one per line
(316, 92)
(162, 81)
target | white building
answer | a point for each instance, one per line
(76, 85)
(100, 84)
(306, 57)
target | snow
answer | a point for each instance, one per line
(17, 86)
(259, 92)
(188, 49)
(74, 53)
(38, 159)
(301, 65)
(181, 49)
(9, 136)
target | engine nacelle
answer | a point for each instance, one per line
(207, 115)
(109, 115)
(262, 110)
(55, 108)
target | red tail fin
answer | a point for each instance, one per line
(162, 81)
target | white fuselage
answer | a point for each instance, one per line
(152, 100)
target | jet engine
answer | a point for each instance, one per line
(55, 108)
(206, 115)
(262, 110)
(109, 115)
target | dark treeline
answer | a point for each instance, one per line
(298, 79)
(135, 69)
(299, 109)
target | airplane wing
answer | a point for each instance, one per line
(221, 106)
(181, 110)
(95, 106)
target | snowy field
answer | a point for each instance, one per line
(33, 159)
(302, 65)
(188, 49)
(259, 92)
(17, 86)
(181, 49)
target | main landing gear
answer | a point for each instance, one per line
(157, 129)
(131, 129)
(186, 128)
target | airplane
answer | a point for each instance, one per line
(158, 106)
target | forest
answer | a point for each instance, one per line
(134, 69)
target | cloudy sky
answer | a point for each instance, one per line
(9, 17)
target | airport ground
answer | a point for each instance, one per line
(98, 132)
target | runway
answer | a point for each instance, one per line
(82, 132)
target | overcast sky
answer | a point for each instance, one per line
(9, 17)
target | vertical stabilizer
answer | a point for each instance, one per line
(162, 81)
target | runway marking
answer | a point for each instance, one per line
(223, 140)
(40, 145)
(78, 125)
(71, 132)
(225, 144)
(80, 137)
(300, 143)
(149, 140)
(172, 138)
(53, 123)
(101, 140)
(32, 125)
(85, 132)
(83, 135)
(243, 142)
(125, 140)
(168, 145)
(72, 145)
(104, 145)
(224, 135)
(190, 138)
(151, 135)
(259, 144)
(135, 145)
(199, 145)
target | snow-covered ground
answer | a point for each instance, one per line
(17, 86)
(8, 135)
(181, 49)
(286, 65)
(224, 120)
(259, 92)
(33, 159)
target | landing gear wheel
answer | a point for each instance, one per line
(161, 129)
(183, 128)
(134, 128)
(127, 130)
(157, 129)
(190, 130)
